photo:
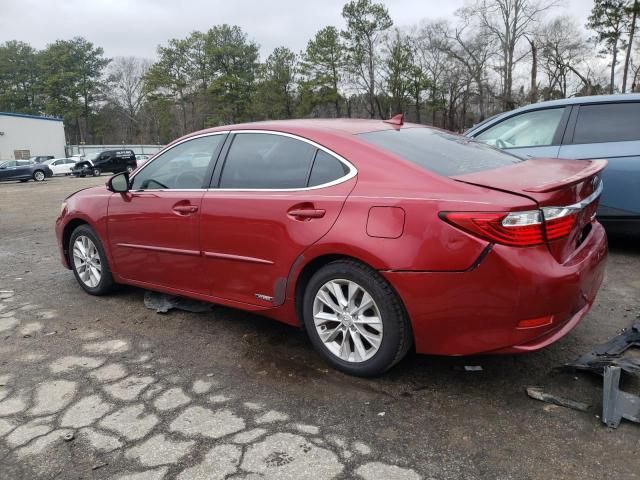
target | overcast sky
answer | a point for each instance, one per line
(136, 27)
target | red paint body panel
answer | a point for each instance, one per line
(488, 302)
(385, 222)
(261, 227)
(463, 294)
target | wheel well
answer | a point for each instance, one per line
(66, 234)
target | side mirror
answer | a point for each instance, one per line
(119, 183)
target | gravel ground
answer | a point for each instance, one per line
(104, 388)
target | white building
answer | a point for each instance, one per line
(24, 136)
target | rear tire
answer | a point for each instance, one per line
(95, 172)
(39, 176)
(363, 333)
(89, 261)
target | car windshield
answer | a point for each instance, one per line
(438, 151)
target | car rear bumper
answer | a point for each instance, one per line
(514, 301)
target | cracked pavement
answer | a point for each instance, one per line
(104, 388)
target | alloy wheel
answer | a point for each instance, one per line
(347, 320)
(87, 262)
(38, 176)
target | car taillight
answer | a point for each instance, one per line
(517, 229)
(558, 221)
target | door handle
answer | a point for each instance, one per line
(301, 213)
(185, 209)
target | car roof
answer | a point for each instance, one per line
(352, 126)
(592, 99)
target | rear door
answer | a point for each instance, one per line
(531, 134)
(610, 131)
(274, 195)
(154, 229)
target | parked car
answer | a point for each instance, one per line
(23, 170)
(60, 166)
(375, 236)
(605, 126)
(142, 159)
(41, 158)
(113, 161)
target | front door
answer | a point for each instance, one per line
(275, 195)
(154, 228)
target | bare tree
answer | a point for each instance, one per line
(472, 49)
(564, 49)
(635, 11)
(509, 21)
(125, 79)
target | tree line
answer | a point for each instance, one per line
(495, 55)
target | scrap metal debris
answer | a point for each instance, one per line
(610, 354)
(539, 394)
(617, 404)
(162, 303)
(607, 360)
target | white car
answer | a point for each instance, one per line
(61, 166)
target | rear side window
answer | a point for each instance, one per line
(326, 168)
(266, 161)
(609, 122)
(440, 152)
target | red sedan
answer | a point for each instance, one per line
(373, 236)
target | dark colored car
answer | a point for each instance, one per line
(582, 128)
(378, 237)
(23, 170)
(112, 161)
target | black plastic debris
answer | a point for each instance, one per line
(607, 360)
(539, 394)
(610, 354)
(162, 303)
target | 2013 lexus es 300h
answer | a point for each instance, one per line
(375, 236)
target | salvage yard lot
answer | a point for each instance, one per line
(232, 395)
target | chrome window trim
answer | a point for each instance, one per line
(353, 171)
(165, 150)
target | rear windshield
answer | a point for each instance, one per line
(438, 151)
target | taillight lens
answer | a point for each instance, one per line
(558, 221)
(517, 229)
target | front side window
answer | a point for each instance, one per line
(613, 122)
(266, 161)
(531, 129)
(184, 166)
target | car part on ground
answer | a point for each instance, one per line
(607, 360)
(610, 354)
(617, 404)
(539, 394)
(163, 302)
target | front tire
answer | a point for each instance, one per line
(89, 262)
(39, 176)
(355, 320)
(95, 172)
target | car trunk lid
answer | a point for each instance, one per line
(566, 191)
